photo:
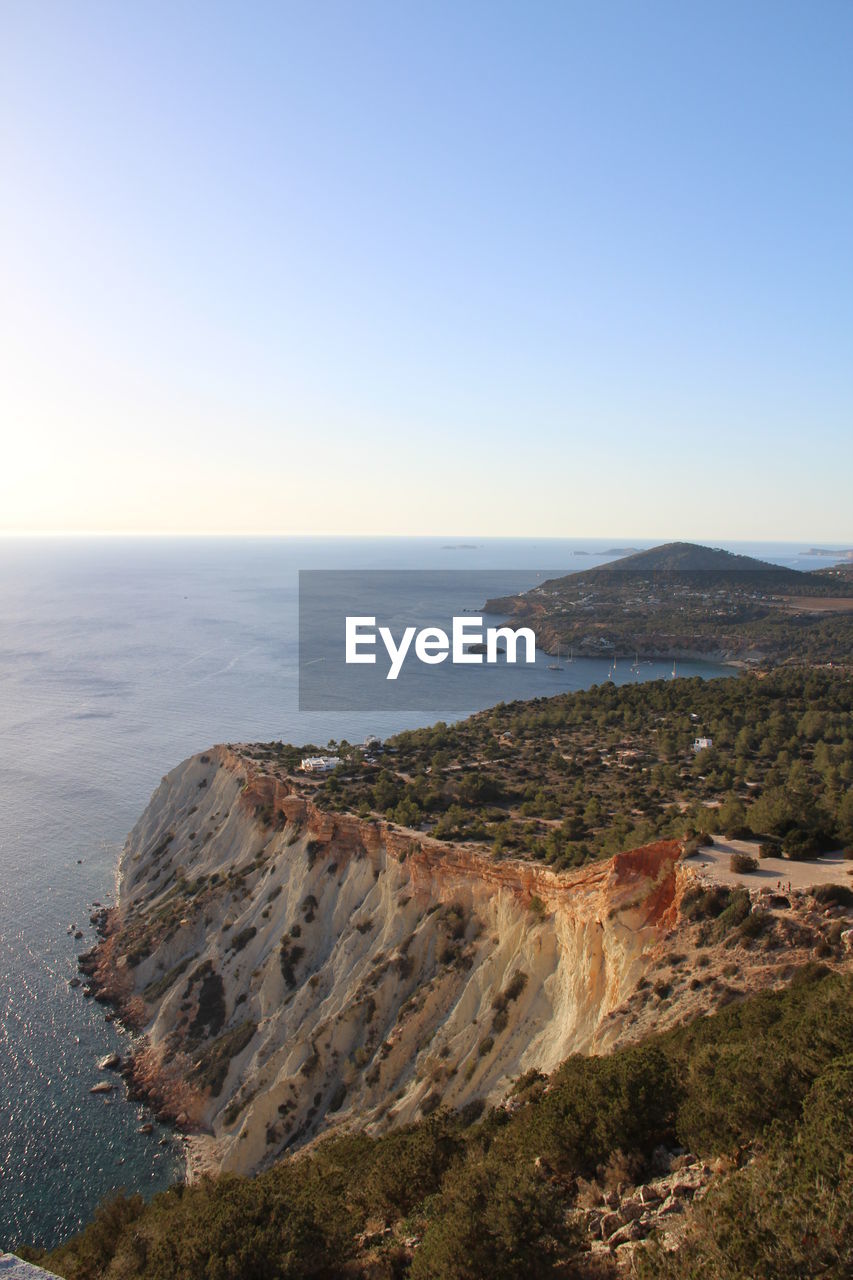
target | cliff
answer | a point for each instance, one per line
(294, 969)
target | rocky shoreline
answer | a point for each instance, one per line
(163, 1092)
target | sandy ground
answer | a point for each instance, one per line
(201, 1152)
(713, 864)
(818, 604)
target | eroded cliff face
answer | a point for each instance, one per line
(294, 969)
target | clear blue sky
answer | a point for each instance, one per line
(529, 268)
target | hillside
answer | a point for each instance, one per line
(691, 557)
(685, 600)
(438, 1060)
(720, 1148)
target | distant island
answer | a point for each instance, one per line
(682, 599)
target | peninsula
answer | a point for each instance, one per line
(685, 600)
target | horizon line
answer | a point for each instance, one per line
(490, 537)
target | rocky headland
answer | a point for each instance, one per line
(291, 971)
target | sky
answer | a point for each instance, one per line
(530, 268)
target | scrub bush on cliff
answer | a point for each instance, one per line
(788, 1214)
(754, 1062)
(493, 1219)
(388, 1179)
(625, 1102)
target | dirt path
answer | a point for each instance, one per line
(713, 864)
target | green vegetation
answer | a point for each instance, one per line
(161, 985)
(210, 1015)
(790, 1213)
(487, 1194)
(833, 895)
(241, 939)
(585, 774)
(212, 1068)
(289, 955)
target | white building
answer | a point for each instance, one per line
(319, 764)
(702, 744)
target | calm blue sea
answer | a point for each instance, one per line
(118, 658)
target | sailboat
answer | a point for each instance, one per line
(555, 666)
(674, 669)
(636, 666)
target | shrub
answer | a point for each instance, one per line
(596, 1105)
(500, 1021)
(754, 924)
(801, 845)
(288, 958)
(312, 849)
(493, 1220)
(212, 1067)
(742, 863)
(210, 1014)
(705, 904)
(736, 910)
(836, 895)
(516, 985)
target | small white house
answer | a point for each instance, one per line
(371, 742)
(702, 744)
(319, 764)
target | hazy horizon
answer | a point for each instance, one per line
(614, 541)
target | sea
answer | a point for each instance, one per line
(118, 658)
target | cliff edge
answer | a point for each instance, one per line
(294, 971)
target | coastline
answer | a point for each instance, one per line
(162, 1093)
